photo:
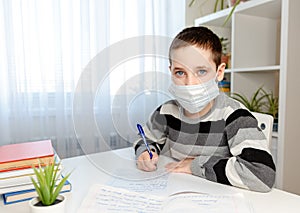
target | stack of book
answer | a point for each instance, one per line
(16, 169)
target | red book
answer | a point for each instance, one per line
(25, 155)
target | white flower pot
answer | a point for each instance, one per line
(57, 208)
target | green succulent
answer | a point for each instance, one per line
(46, 185)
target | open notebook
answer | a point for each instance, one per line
(103, 198)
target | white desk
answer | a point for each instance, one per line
(94, 168)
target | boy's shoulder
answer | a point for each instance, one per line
(170, 107)
(224, 100)
(227, 105)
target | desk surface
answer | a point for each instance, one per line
(99, 168)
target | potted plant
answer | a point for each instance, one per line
(255, 103)
(272, 106)
(48, 188)
(262, 102)
(231, 3)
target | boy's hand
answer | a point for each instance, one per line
(183, 166)
(145, 163)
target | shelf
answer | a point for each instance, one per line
(274, 68)
(257, 69)
(214, 19)
(263, 8)
(228, 71)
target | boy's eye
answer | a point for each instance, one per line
(201, 72)
(179, 73)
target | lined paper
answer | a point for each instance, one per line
(139, 181)
(102, 198)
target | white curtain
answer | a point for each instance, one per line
(45, 46)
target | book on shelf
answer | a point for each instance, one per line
(25, 155)
(27, 194)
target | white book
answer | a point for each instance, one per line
(16, 173)
(20, 186)
(16, 188)
(19, 180)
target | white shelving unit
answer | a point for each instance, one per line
(261, 45)
(254, 35)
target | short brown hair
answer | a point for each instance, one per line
(201, 37)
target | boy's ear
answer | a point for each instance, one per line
(220, 71)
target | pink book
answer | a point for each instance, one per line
(25, 155)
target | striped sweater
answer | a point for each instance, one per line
(227, 144)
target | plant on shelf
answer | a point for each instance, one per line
(221, 3)
(225, 54)
(271, 104)
(234, 5)
(261, 101)
(271, 108)
(255, 103)
(48, 187)
(224, 42)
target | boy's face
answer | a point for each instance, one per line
(192, 65)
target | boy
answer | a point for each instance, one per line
(212, 135)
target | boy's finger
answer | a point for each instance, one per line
(140, 165)
(150, 164)
(146, 165)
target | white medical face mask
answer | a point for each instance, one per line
(195, 98)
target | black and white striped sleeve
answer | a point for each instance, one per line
(155, 133)
(251, 165)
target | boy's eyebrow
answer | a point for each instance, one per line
(185, 68)
(179, 68)
(205, 67)
(182, 67)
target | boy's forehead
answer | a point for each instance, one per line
(192, 56)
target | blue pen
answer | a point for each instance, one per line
(141, 131)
